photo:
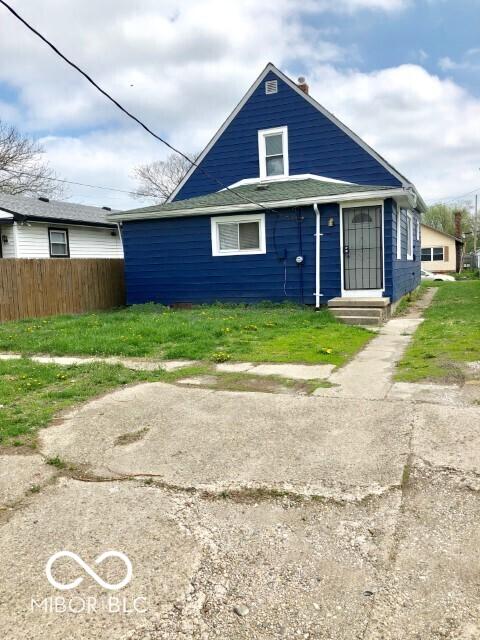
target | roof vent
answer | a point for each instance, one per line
(261, 187)
(271, 86)
(107, 208)
(44, 199)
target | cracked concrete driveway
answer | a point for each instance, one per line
(229, 440)
(250, 515)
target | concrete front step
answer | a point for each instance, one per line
(381, 303)
(361, 311)
(360, 320)
(371, 312)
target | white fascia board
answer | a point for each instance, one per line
(281, 204)
(271, 67)
(4, 215)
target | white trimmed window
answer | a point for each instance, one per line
(273, 152)
(431, 254)
(399, 233)
(409, 235)
(238, 235)
(58, 241)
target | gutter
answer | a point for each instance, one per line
(318, 235)
(239, 208)
(22, 218)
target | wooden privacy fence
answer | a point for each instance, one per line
(36, 288)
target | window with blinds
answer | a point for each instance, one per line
(238, 235)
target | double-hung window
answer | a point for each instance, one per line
(238, 235)
(273, 152)
(58, 242)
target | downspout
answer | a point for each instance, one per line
(317, 255)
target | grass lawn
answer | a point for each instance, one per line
(31, 393)
(271, 333)
(449, 336)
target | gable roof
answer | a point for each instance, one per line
(255, 196)
(271, 68)
(25, 208)
(448, 235)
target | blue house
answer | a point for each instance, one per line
(286, 203)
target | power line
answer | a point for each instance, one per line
(126, 111)
(449, 198)
(81, 184)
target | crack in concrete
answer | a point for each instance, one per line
(398, 533)
(242, 493)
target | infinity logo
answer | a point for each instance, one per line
(89, 570)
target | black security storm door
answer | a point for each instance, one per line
(362, 248)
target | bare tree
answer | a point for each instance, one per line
(158, 179)
(22, 169)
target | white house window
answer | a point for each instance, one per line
(273, 152)
(58, 241)
(431, 254)
(238, 235)
(409, 236)
(399, 234)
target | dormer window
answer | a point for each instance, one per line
(273, 152)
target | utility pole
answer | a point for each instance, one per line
(475, 227)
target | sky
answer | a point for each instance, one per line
(403, 74)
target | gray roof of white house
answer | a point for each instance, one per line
(31, 208)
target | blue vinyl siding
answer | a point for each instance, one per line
(401, 276)
(330, 257)
(170, 261)
(316, 145)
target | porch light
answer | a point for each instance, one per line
(331, 222)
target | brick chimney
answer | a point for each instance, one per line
(457, 216)
(302, 84)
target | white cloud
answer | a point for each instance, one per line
(384, 5)
(427, 127)
(470, 61)
(182, 66)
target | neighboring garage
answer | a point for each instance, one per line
(439, 250)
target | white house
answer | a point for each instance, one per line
(439, 250)
(43, 228)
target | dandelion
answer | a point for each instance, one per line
(221, 356)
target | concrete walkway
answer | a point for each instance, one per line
(137, 364)
(369, 376)
(292, 371)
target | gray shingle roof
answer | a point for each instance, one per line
(274, 191)
(54, 210)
